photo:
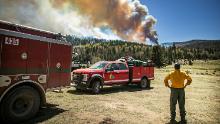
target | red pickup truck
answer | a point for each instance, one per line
(112, 73)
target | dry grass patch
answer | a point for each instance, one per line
(131, 105)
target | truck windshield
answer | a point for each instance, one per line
(98, 65)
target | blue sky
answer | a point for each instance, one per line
(182, 20)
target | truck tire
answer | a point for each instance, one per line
(96, 87)
(19, 105)
(148, 84)
(144, 83)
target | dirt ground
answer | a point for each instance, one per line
(131, 105)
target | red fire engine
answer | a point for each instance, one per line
(31, 61)
(112, 73)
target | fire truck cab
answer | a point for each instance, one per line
(113, 73)
(31, 62)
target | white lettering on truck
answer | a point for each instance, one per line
(11, 41)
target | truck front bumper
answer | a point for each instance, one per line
(81, 85)
(78, 83)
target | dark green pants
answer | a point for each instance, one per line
(177, 94)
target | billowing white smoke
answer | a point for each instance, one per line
(108, 19)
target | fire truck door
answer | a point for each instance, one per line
(13, 55)
(137, 74)
(37, 58)
(54, 66)
(65, 60)
(108, 75)
(115, 74)
(123, 73)
(111, 76)
(59, 65)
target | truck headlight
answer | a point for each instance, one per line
(85, 77)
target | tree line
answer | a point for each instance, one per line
(92, 50)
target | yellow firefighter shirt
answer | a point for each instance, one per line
(177, 79)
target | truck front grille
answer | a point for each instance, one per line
(77, 78)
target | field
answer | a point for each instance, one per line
(131, 105)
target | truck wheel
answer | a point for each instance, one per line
(148, 84)
(144, 83)
(96, 87)
(20, 104)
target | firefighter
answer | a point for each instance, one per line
(177, 79)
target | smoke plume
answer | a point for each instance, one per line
(108, 19)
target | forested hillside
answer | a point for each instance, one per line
(199, 44)
(93, 50)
